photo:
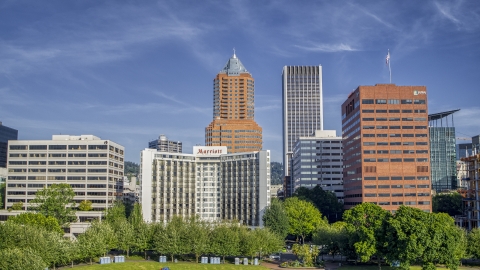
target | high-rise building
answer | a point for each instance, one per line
(302, 107)
(443, 156)
(91, 166)
(471, 201)
(318, 161)
(6, 134)
(209, 183)
(233, 122)
(386, 147)
(164, 145)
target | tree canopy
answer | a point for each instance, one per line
(56, 201)
(450, 203)
(325, 201)
(303, 217)
(276, 219)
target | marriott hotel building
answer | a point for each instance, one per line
(209, 183)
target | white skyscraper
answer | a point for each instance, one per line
(302, 106)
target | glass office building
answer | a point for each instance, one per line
(443, 154)
(6, 134)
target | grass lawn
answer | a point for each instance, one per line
(375, 267)
(143, 265)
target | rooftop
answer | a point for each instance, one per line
(234, 66)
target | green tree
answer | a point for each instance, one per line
(142, 232)
(85, 205)
(20, 259)
(365, 224)
(333, 238)
(325, 201)
(97, 240)
(303, 217)
(198, 233)
(473, 240)
(56, 201)
(2, 195)
(173, 241)
(17, 206)
(276, 219)
(115, 212)
(415, 236)
(306, 253)
(125, 235)
(225, 240)
(38, 220)
(450, 203)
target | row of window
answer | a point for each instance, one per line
(394, 119)
(394, 111)
(394, 160)
(395, 151)
(393, 101)
(397, 186)
(59, 147)
(60, 155)
(393, 127)
(408, 135)
(394, 143)
(396, 178)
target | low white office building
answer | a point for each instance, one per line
(91, 166)
(209, 183)
(318, 160)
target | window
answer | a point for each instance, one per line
(409, 186)
(368, 127)
(367, 111)
(421, 143)
(422, 135)
(397, 186)
(408, 151)
(382, 135)
(407, 127)
(419, 101)
(395, 135)
(396, 160)
(382, 143)
(369, 160)
(406, 101)
(407, 143)
(38, 147)
(409, 177)
(422, 177)
(397, 194)
(397, 178)
(57, 147)
(383, 160)
(422, 159)
(408, 160)
(394, 119)
(367, 101)
(407, 119)
(370, 186)
(381, 111)
(420, 119)
(370, 178)
(394, 127)
(407, 135)
(370, 195)
(395, 143)
(368, 143)
(394, 111)
(384, 186)
(368, 135)
(420, 127)
(407, 111)
(381, 101)
(384, 195)
(18, 147)
(421, 151)
(423, 186)
(393, 101)
(382, 151)
(368, 119)
(369, 151)
(383, 178)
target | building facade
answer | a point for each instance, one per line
(443, 156)
(302, 110)
(233, 122)
(91, 166)
(162, 144)
(471, 201)
(6, 134)
(210, 183)
(386, 147)
(318, 161)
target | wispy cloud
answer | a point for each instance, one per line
(446, 12)
(328, 48)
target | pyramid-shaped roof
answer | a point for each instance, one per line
(234, 67)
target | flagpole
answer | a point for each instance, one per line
(389, 68)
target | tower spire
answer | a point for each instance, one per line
(234, 55)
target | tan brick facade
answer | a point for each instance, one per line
(233, 122)
(386, 147)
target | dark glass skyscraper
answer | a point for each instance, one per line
(6, 134)
(443, 154)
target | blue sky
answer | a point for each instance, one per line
(131, 70)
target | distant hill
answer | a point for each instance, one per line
(276, 173)
(131, 169)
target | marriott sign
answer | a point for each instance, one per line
(209, 150)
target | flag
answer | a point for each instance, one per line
(388, 58)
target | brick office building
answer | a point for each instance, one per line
(233, 122)
(386, 147)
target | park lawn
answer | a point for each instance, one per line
(143, 265)
(415, 267)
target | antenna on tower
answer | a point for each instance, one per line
(234, 56)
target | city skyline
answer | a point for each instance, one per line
(115, 70)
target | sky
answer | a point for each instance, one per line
(128, 71)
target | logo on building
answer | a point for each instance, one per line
(210, 150)
(416, 92)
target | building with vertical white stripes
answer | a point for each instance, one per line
(209, 183)
(302, 107)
